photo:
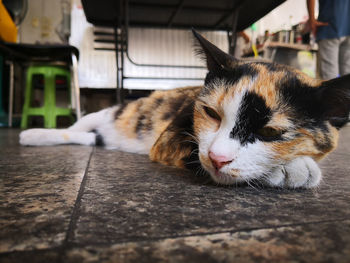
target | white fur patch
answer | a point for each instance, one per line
(300, 172)
(93, 120)
(45, 137)
(78, 133)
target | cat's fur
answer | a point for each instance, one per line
(250, 121)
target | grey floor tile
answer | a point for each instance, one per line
(132, 210)
(38, 190)
(128, 198)
(324, 242)
(32, 256)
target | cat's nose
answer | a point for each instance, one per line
(219, 161)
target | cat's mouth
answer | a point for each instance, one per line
(218, 175)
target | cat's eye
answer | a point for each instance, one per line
(269, 133)
(212, 113)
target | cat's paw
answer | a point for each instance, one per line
(35, 137)
(302, 172)
(28, 137)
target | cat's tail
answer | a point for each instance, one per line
(82, 132)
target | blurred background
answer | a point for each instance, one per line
(154, 43)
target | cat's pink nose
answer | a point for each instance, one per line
(219, 161)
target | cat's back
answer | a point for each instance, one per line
(146, 118)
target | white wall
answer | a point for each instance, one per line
(97, 69)
(41, 21)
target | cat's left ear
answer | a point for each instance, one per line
(216, 58)
(335, 100)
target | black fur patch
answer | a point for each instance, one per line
(143, 123)
(230, 77)
(174, 106)
(317, 104)
(98, 139)
(303, 99)
(119, 111)
(325, 144)
(314, 105)
(183, 126)
(167, 115)
(192, 162)
(335, 97)
(159, 101)
(253, 115)
(185, 120)
(140, 123)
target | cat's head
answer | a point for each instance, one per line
(252, 117)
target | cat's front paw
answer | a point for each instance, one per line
(28, 137)
(302, 172)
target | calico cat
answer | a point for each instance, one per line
(250, 121)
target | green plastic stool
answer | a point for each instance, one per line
(49, 110)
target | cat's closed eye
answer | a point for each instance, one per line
(269, 133)
(212, 113)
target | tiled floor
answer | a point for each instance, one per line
(83, 204)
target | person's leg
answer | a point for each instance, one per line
(328, 52)
(344, 56)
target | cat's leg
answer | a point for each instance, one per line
(45, 137)
(78, 133)
(92, 121)
(302, 172)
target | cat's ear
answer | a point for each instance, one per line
(334, 95)
(216, 58)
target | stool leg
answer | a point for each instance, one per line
(11, 94)
(50, 101)
(27, 99)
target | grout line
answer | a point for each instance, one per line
(77, 204)
(76, 209)
(160, 238)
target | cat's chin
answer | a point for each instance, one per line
(224, 178)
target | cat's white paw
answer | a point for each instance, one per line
(301, 172)
(29, 137)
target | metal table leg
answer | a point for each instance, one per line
(233, 40)
(76, 87)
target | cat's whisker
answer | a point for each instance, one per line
(193, 162)
(200, 171)
(191, 135)
(259, 184)
(251, 184)
(196, 143)
(194, 151)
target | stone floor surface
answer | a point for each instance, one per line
(84, 204)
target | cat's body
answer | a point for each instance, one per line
(250, 121)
